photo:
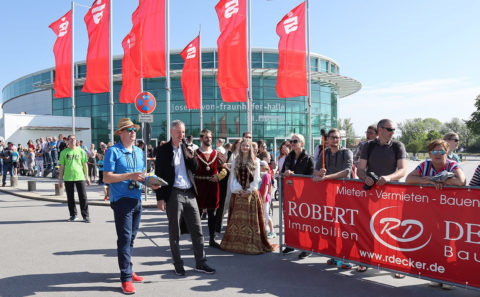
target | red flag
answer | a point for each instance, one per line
(130, 75)
(63, 56)
(292, 69)
(232, 76)
(191, 74)
(97, 20)
(149, 27)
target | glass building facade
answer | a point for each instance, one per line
(272, 116)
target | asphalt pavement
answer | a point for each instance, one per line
(44, 255)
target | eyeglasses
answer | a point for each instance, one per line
(370, 132)
(439, 152)
(454, 139)
(333, 137)
(389, 129)
(294, 140)
(129, 130)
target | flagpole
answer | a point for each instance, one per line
(73, 70)
(167, 63)
(110, 59)
(309, 76)
(201, 75)
(249, 65)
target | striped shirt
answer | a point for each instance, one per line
(426, 168)
(475, 182)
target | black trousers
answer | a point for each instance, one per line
(82, 197)
(183, 204)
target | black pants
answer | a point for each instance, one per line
(183, 204)
(82, 197)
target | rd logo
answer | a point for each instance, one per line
(392, 232)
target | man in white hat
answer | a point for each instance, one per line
(123, 169)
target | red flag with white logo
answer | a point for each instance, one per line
(232, 76)
(63, 56)
(292, 69)
(97, 20)
(191, 74)
(149, 27)
(130, 75)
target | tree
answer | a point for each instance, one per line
(417, 129)
(347, 125)
(474, 123)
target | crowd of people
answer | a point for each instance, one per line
(238, 178)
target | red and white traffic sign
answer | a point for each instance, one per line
(145, 102)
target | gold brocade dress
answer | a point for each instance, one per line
(245, 232)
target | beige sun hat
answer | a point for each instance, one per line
(125, 123)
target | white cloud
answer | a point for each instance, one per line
(442, 99)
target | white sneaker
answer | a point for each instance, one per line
(271, 235)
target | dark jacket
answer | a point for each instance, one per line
(304, 164)
(164, 168)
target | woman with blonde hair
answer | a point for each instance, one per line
(452, 139)
(245, 232)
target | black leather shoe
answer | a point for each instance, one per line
(205, 268)
(288, 250)
(214, 244)
(180, 271)
(304, 255)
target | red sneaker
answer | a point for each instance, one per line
(128, 288)
(136, 278)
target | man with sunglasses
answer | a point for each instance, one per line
(123, 169)
(73, 171)
(385, 158)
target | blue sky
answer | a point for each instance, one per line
(413, 58)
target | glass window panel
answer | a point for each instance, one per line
(83, 101)
(82, 70)
(208, 81)
(323, 66)
(117, 66)
(82, 112)
(313, 64)
(270, 57)
(101, 111)
(208, 93)
(269, 93)
(269, 82)
(256, 60)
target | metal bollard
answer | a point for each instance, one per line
(58, 191)
(32, 185)
(14, 181)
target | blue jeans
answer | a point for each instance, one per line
(54, 162)
(127, 213)
(7, 167)
(48, 160)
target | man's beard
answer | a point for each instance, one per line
(207, 144)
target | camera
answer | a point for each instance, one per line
(133, 184)
(372, 176)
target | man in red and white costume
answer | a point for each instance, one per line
(207, 177)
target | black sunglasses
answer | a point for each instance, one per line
(389, 129)
(454, 139)
(294, 140)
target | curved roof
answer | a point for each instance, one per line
(345, 85)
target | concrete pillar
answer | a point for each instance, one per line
(14, 181)
(32, 185)
(58, 191)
